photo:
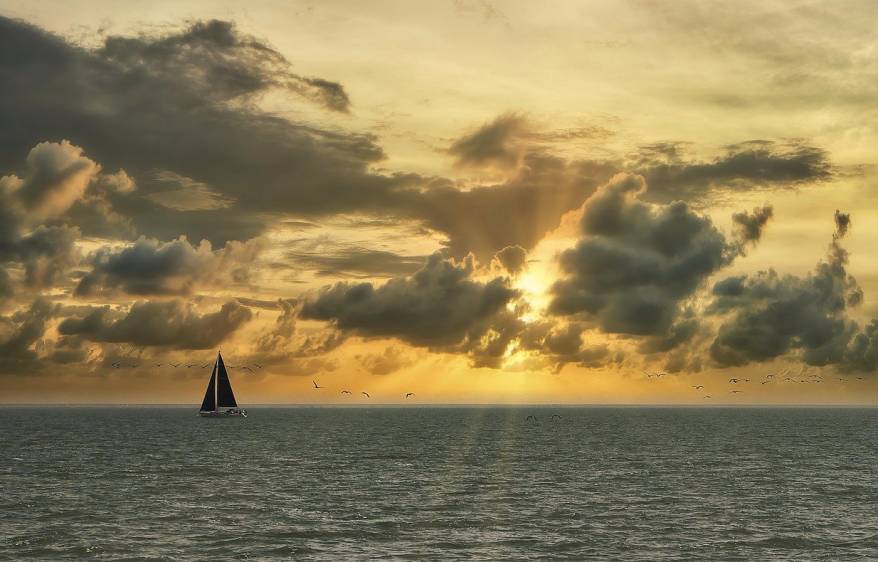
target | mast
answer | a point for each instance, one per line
(215, 381)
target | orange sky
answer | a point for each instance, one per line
(474, 202)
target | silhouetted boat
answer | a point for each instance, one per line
(219, 400)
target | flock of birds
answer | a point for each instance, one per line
(803, 377)
(133, 365)
(364, 393)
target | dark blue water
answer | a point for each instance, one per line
(439, 483)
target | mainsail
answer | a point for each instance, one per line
(219, 390)
(225, 398)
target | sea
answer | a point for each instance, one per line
(439, 483)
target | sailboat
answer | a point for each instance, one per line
(219, 400)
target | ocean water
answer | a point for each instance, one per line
(439, 483)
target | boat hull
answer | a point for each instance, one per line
(231, 413)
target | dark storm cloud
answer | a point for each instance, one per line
(220, 62)
(149, 267)
(636, 263)
(744, 166)
(774, 315)
(150, 323)
(439, 306)
(181, 103)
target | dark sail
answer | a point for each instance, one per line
(224, 395)
(209, 403)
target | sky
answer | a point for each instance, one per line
(476, 202)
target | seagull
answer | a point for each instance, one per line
(765, 382)
(408, 394)
(736, 391)
(316, 385)
(708, 396)
(366, 394)
(174, 365)
(697, 386)
(345, 391)
(734, 381)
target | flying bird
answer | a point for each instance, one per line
(316, 385)
(345, 391)
(697, 386)
(708, 396)
(366, 394)
(734, 381)
(736, 391)
(408, 394)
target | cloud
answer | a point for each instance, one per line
(511, 258)
(16, 353)
(355, 261)
(438, 306)
(154, 323)
(518, 212)
(750, 225)
(744, 166)
(559, 343)
(389, 361)
(38, 211)
(768, 315)
(495, 143)
(57, 176)
(149, 102)
(186, 194)
(636, 263)
(149, 267)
